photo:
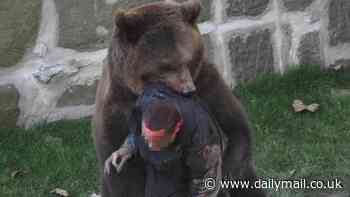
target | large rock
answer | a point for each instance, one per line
(251, 53)
(309, 51)
(78, 95)
(19, 24)
(84, 24)
(339, 21)
(8, 106)
(246, 7)
(297, 5)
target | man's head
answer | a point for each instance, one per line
(161, 122)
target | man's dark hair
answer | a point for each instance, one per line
(161, 115)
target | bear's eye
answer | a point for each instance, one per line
(146, 77)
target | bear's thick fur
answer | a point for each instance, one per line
(161, 42)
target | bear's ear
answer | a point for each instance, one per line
(191, 10)
(129, 24)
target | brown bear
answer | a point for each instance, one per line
(161, 42)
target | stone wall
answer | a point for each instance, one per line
(52, 51)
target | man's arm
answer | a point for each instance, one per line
(129, 143)
(120, 156)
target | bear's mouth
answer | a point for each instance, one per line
(189, 94)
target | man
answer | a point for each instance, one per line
(180, 143)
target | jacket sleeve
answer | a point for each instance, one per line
(134, 130)
(204, 159)
(129, 144)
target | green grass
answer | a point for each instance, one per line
(287, 145)
(58, 155)
(300, 145)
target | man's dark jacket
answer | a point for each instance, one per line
(195, 155)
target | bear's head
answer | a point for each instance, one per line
(157, 42)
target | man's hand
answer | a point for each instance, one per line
(117, 160)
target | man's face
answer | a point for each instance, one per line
(157, 144)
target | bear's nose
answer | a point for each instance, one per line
(189, 89)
